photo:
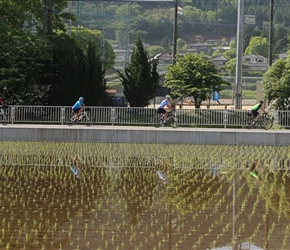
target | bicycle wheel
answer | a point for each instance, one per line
(267, 123)
(89, 120)
(86, 120)
(70, 119)
(3, 117)
(157, 121)
(171, 122)
(248, 122)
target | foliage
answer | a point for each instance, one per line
(192, 75)
(140, 78)
(276, 83)
(40, 64)
(69, 71)
(86, 36)
(165, 42)
(76, 72)
(120, 192)
(258, 46)
(155, 50)
(95, 88)
(25, 62)
(153, 21)
(181, 45)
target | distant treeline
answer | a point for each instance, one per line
(200, 19)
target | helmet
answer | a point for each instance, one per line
(81, 98)
(168, 96)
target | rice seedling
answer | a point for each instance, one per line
(122, 203)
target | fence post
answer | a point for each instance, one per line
(12, 115)
(62, 114)
(276, 118)
(175, 118)
(113, 115)
(225, 116)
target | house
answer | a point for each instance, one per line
(254, 59)
(198, 47)
(255, 63)
(122, 56)
(219, 62)
(283, 55)
(164, 58)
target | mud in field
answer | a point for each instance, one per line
(47, 207)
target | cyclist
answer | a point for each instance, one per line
(255, 112)
(164, 106)
(1, 101)
(78, 108)
(2, 105)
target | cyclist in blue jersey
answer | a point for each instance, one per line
(78, 108)
(164, 106)
(255, 111)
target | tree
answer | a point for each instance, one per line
(258, 46)
(69, 71)
(96, 88)
(140, 78)
(77, 71)
(165, 43)
(193, 75)
(26, 56)
(181, 45)
(280, 38)
(232, 51)
(25, 61)
(155, 50)
(87, 36)
(276, 84)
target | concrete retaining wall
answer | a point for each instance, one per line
(80, 133)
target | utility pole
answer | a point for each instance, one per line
(47, 18)
(270, 51)
(239, 58)
(70, 22)
(175, 29)
(270, 59)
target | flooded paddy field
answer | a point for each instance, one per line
(134, 196)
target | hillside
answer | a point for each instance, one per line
(200, 20)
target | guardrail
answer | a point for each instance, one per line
(135, 116)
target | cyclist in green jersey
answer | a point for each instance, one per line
(255, 111)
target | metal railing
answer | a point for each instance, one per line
(137, 116)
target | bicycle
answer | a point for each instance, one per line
(3, 115)
(84, 118)
(171, 120)
(265, 121)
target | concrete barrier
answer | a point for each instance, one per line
(134, 134)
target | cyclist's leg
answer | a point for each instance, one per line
(76, 114)
(256, 115)
(161, 111)
(169, 117)
(173, 120)
(1, 115)
(165, 116)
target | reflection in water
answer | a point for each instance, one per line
(161, 175)
(127, 208)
